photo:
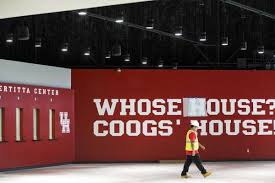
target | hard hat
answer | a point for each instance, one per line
(195, 123)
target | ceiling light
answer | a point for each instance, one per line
(260, 50)
(144, 60)
(127, 58)
(224, 41)
(178, 31)
(82, 13)
(38, 43)
(244, 46)
(9, 38)
(65, 47)
(150, 24)
(203, 37)
(175, 66)
(119, 19)
(108, 55)
(87, 52)
(161, 63)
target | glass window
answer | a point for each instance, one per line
(36, 124)
(1, 125)
(19, 124)
(51, 124)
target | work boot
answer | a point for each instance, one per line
(185, 176)
(206, 174)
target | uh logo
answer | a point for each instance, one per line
(64, 122)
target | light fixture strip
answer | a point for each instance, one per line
(132, 25)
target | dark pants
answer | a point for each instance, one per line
(197, 160)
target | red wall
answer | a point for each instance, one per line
(36, 153)
(151, 84)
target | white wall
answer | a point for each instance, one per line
(33, 74)
(16, 8)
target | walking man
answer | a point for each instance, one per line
(192, 151)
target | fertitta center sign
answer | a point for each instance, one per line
(216, 116)
(27, 90)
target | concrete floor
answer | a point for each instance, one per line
(223, 172)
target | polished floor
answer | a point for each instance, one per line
(223, 172)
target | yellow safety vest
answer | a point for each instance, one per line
(188, 146)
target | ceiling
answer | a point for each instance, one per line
(98, 32)
(17, 8)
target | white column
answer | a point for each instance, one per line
(18, 124)
(51, 124)
(35, 126)
(1, 124)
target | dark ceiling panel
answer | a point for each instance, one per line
(83, 32)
